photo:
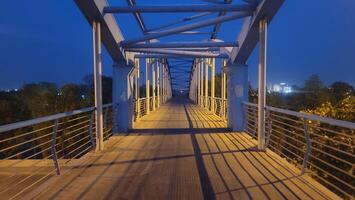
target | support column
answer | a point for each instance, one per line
(98, 86)
(164, 84)
(237, 86)
(137, 88)
(262, 83)
(213, 64)
(147, 85)
(202, 83)
(154, 64)
(122, 96)
(198, 82)
(158, 83)
(206, 83)
(223, 88)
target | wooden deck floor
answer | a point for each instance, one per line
(183, 152)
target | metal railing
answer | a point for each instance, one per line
(220, 105)
(142, 103)
(322, 147)
(32, 151)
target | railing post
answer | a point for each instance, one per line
(255, 116)
(246, 118)
(53, 149)
(269, 124)
(308, 146)
(105, 118)
(92, 137)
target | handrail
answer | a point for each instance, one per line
(60, 137)
(327, 120)
(324, 148)
(16, 125)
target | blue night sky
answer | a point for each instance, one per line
(51, 41)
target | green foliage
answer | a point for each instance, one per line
(40, 99)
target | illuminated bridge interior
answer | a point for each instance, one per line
(180, 125)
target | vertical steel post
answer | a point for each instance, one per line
(262, 83)
(147, 86)
(213, 65)
(206, 84)
(138, 109)
(308, 147)
(158, 83)
(92, 137)
(154, 64)
(98, 85)
(223, 88)
(53, 149)
(224, 94)
(198, 82)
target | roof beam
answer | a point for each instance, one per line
(218, 26)
(181, 45)
(248, 36)
(138, 16)
(157, 55)
(176, 52)
(179, 21)
(110, 31)
(179, 8)
(187, 28)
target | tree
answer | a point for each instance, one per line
(339, 91)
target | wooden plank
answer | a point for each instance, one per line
(161, 165)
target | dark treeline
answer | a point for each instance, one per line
(336, 100)
(40, 99)
(44, 98)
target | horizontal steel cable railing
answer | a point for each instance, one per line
(142, 104)
(219, 108)
(322, 147)
(34, 150)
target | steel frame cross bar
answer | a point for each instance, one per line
(178, 8)
(187, 27)
(138, 17)
(182, 45)
(165, 56)
(176, 52)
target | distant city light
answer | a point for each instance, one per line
(281, 88)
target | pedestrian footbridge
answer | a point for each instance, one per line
(169, 133)
(179, 151)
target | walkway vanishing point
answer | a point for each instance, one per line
(182, 151)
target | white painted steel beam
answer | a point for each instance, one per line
(147, 85)
(154, 65)
(96, 31)
(178, 8)
(177, 52)
(188, 27)
(181, 45)
(111, 33)
(249, 34)
(262, 83)
(165, 56)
